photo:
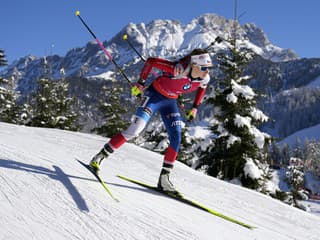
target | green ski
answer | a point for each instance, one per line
(99, 179)
(189, 202)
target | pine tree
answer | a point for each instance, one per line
(285, 154)
(312, 156)
(3, 60)
(26, 114)
(8, 96)
(65, 117)
(238, 147)
(113, 107)
(295, 178)
(297, 150)
(9, 110)
(43, 104)
(274, 155)
(52, 107)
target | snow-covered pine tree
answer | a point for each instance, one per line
(297, 149)
(238, 147)
(113, 107)
(274, 155)
(65, 116)
(9, 110)
(8, 96)
(52, 107)
(26, 114)
(312, 156)
(43, 104)
(285, 154)
(295, 178)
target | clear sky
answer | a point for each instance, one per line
(45, 27)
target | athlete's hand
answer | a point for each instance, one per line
(137, 90)
(192, 114)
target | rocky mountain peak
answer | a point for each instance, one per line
(164, 38)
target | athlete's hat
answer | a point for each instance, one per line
(202, 60)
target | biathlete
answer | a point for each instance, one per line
(189, 74)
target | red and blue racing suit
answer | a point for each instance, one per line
(161, 97)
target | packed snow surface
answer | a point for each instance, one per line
(46, 194)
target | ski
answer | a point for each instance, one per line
(188, 202)
(100, 180)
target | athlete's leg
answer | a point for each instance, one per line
(172, 119)
(139, 122)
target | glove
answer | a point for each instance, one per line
(137, 89)
(192, 114)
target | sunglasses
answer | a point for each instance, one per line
(204, 69)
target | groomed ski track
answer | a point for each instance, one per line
(46, 194)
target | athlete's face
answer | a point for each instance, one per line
(199, 72)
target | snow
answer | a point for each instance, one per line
(246, 122)
(312, 205)
(231, 98)
(259, 137)
(258, 115)
(199, 132)
(311, 183)
(105, 75)
(232, 139)
(252, 170)
(311, 133)
(46, 194)
(240, 121)
(243, 90)
(315, 83)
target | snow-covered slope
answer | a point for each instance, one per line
(315, 83)
(311, 133)
(46, 194)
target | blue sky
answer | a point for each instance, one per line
(45, 27)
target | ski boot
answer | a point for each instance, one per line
(165, 185)
(97, 160)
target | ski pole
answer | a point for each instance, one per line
(216, 40)
(103, 48)
(125, 38)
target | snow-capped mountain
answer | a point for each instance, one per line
(165, 38)
(46, 194)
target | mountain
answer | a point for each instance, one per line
(46, 194)
(279, 74)
(164, 38)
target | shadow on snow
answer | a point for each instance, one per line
(56, 174)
